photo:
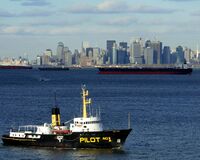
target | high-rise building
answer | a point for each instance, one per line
(123, 45)
(48, 52)
(188, 54)
(157, 51)
(60, 51)
(68, 58)
(166, 55)
(109, 47)
(114, 54)
(89, 52)
(136, 53)
(85, 45)
(149, 55)
(180, 55)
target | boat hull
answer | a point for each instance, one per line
(15, 67)
(114, 70)
(104, 139)
(53, 68)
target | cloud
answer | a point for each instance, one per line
(36, 13)
(182, 0)
(6, 14)
(197, 13)
(120, 21)
(29, 30)
(115, 7)
(38, 3)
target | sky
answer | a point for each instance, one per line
(29, 27)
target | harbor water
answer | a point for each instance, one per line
(165, 111)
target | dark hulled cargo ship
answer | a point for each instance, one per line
(53, 68)
(81, 132)
(144, 70)
(15, 67)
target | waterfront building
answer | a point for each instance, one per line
(39, 60)
(76, 57)
(67, 57)
(114, 54)
(187, 54)
(89, 52)
(85, 45)
(48, 52)
(123, 45)
(60, 51)
(149, 55)
(166, 55)
(109, 47)
(96, 53)
(46, 60)
(157, 50)
(136, 53)
(180, 55)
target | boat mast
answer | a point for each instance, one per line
(86, 101)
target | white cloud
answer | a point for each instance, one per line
(120, 21)
(112, 6)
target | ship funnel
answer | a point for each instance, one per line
(55, 115)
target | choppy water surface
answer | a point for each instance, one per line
(165, 111)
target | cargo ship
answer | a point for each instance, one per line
(15, 67)
(144, 70)
(85, 131)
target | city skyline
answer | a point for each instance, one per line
(31, 26)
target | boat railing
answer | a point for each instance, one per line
(28, 128)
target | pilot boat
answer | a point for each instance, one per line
(85, 131)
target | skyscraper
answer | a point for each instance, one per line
(180, 55)
(114, 54)
(85, 45)
(166, 55)
(109, 47)
(136, 52)
(60, 51)
(157, 51)
(149, 55)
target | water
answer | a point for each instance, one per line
(165, 111)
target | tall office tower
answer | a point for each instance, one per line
(180, 55)
(149, 55)
(136, 52)
(114, 54)
(76, 57)
(166, 55)
(122, 55)
(123, 45)
(197, 53)
(157, 49)
(148, 44)
(48, 52)
(39, 60)
(96, 53)
(85, 45)
(89, 52)
(60, 51)
(68, 58)
(109, 47)
(188, 54)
